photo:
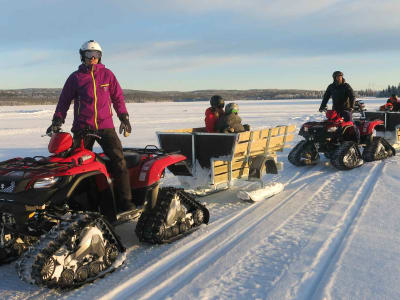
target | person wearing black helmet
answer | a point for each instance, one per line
(342, 97)
(231, 122)
(214, 112)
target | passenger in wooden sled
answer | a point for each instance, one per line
(231, 122)
(214, 112)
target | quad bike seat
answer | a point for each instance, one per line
(132, 160)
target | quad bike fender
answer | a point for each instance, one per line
(262, 163)
(153, 169)
(349, 133)
(104, 187)
(368, 127)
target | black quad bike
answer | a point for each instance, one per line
(58, 213)
(340, 142)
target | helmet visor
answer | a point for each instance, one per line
(92, 53)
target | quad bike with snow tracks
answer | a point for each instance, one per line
(341, 142)
(58, 213)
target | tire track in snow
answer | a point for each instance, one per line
(332, 247)
(256, 273)
(151, 279)
(272, 258)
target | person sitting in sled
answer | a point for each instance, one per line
(342, 97)
(214, 112)
(94, 89)
(394, 101)
(231, 122)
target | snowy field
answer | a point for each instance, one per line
(329, 235)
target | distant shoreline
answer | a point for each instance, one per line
(50, 96)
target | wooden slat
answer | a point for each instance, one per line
(235, 166)
(244, 136)
(274, 131)
(235, 175)
(276, 140)
(289, 138)
(241, 148)
(291, 128)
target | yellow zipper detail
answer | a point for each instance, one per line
(95, 99)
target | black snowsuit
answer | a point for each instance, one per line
(342, 97)
(229, 124)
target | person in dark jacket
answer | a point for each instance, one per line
(230, 122)
(342, 97)
(214, 112)
(94, 89)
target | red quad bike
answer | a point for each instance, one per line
(340, 142)
(62, 208)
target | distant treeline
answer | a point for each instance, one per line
(50, 96)
(389, 91)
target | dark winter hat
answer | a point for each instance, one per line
(217, 101)
(336, 73)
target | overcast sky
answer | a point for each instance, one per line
(203, 44)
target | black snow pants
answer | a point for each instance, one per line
(112, 147)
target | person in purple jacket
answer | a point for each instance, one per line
(94, 89)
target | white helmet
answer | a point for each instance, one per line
(91, 45)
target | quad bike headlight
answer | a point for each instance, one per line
(47, 182)
(332, 129)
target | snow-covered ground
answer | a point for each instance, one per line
(328, 235)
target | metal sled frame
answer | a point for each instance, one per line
(229, 156)
(391, 130)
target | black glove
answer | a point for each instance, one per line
(322, 108)
(246, 127)
(55, 126)
(125, 126)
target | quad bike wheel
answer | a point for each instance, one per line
(347, 156)
(378, 149)
(304, 153)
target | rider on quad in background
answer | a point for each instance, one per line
(94, 88)
(342, 97)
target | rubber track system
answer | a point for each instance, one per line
(294, 156)
(347, 156)
(155, 228)
(41, 263)
(297, 155)
(378, 149)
